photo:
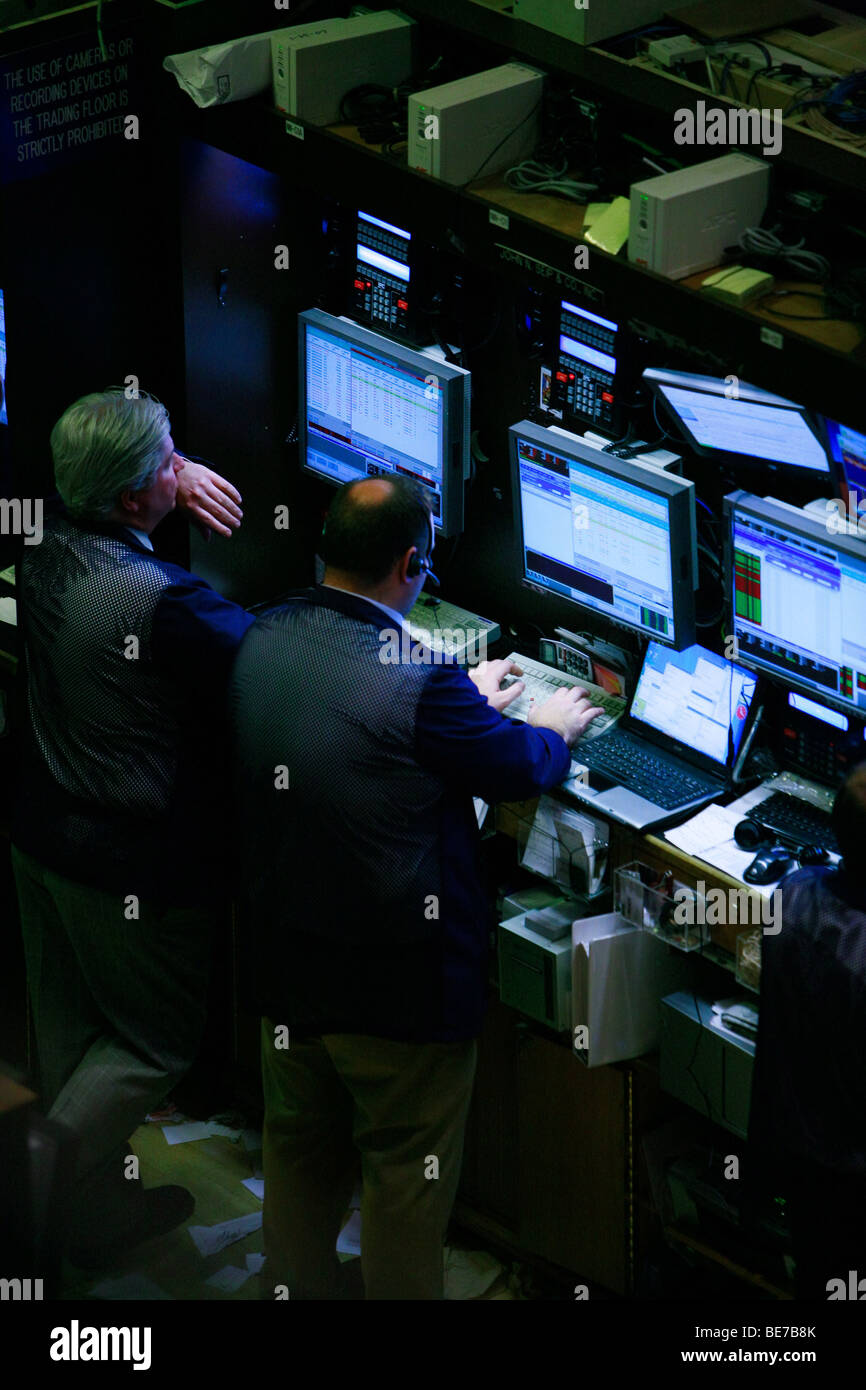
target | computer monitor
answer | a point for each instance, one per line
(847, 449)
(370, 407)
(720, 415)
(797, 599)
(606, 534)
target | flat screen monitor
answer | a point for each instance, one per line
(720, 415)
(847, 448)
(797, 599)
(370, 407)
(609, 535)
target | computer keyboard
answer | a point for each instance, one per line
(540, 683)
(444, 627)
(632, 762)
(795, 819)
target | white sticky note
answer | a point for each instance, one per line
(185, 1134)
(229, 1278)
(256, 1186)
(210, 1239)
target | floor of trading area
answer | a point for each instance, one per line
(214, 1169)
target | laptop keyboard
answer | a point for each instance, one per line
(631, 762)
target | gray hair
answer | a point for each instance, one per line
(104, 444)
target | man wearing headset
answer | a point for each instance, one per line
(356, 776)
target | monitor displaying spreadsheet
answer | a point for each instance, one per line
(370, 407)
(797, 599)
(603, 533)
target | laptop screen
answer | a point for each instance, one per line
(695, 697)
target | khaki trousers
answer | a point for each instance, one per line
(396, 1109)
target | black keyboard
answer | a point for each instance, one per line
(648, 774)
(797, 820)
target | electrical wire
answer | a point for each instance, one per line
(759, 241)
(533, 176)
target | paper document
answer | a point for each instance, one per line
(709, 836)
(187, 1133)
(567, 847)
(210, 1239)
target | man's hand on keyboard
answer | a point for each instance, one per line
(487, 675)
(568, 712)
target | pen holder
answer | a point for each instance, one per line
(660, 904)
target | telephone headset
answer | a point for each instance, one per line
(750, 834)
(417, 565)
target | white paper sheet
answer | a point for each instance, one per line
(210, 1239)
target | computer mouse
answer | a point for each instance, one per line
(770, 865)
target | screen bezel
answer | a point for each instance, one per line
(767, 509)
(456, 387)
(679, 495)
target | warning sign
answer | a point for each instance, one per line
(59, 102)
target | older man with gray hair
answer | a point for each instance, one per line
(116, 832)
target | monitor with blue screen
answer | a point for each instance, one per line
(797, 599)
(370, 407)
(605, 534)
(724, 415)
(848, 451)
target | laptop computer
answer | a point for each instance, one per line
(676, 749)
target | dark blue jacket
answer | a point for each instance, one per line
(355, 785)
(123, 782)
